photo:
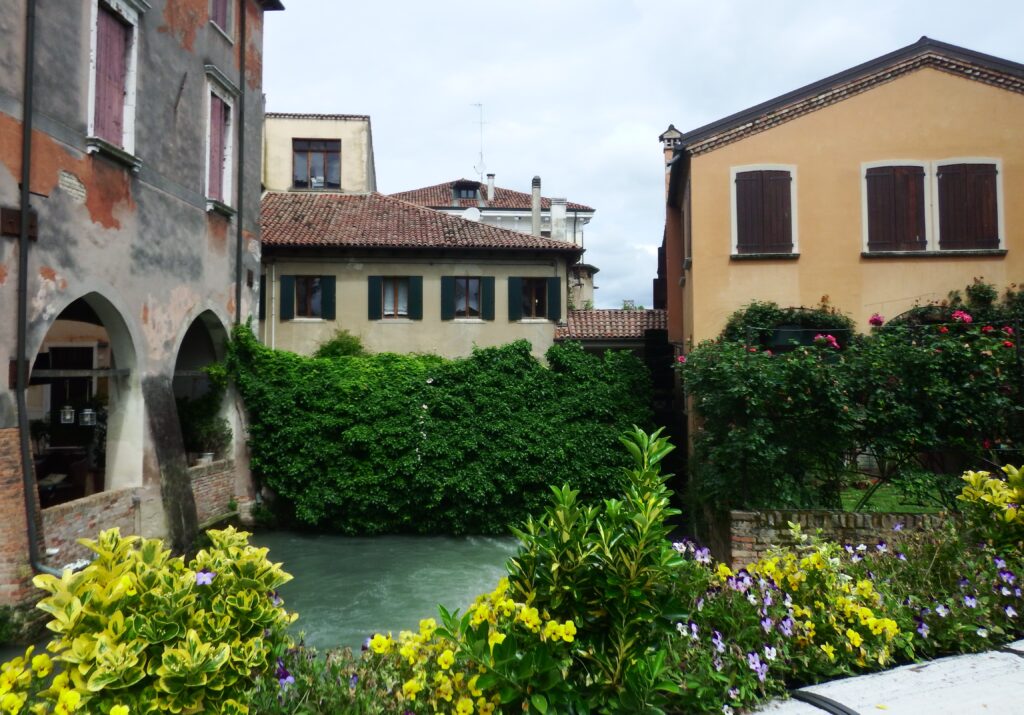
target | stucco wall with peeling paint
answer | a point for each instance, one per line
(145, 242)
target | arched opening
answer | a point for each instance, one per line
(202, 407)
(84, 412)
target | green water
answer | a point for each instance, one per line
(346, 588)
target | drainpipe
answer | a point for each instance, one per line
(240, 237)
(21, 385)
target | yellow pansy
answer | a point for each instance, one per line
(568, 631)
(828, 650)
(411, 687)
(381, 644)
(854, 637)
(446, 659)
(464, 706)
(495, 638)
(427, 627)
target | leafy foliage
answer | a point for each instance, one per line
(917, 403)
(139, 630)
(417, 443)
(342, 344)
(203, 429)
(757, 322)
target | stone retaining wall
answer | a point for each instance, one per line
(741, 537)
(213, 486)
(15, 574)
(64, 524)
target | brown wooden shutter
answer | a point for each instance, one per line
(968, 210)
(217, 115)
(895, 198)
(749, 212)
(112, 37)
(778, 219)
(764, 213)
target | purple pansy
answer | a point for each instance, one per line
(204, 577)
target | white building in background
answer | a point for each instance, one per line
(513, 210)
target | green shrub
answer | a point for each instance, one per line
(140, 629)
(343, 344)
(417, 443)
(202, 427)
(923, 402)
(757, 322)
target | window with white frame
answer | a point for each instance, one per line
(220, 114)
(943, 205)
(113, 59)
(220, 15)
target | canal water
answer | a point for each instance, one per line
(347, 588)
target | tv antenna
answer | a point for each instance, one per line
(480, 167)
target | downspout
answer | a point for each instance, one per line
(240, 237)
(21, 384)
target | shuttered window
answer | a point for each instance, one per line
(896, 208)
(968, 207)
(467, 297)
(220, 119)
(535, 298)
(113, 38)
(764, 216)
(395, 297)
(307, 297)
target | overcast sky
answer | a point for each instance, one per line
(577, 91)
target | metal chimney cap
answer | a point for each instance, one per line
(536, 181)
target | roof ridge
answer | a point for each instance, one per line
(856, 79)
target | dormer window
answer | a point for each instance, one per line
(316, 164)
(468, 190)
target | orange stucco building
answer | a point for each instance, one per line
(883, 186)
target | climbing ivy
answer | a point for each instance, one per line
(421, 444)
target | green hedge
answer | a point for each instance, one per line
(392, 443)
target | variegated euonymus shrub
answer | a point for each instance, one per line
(142, 631)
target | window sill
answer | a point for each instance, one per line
(468, 320)
(764, 256)
(995, 252)
(219, 207)
(394, 321)
(308, 320)
(326, 189)
(223, 32)
(533, 320)
(95, 145)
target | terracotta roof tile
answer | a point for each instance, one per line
(312, 219)
(610, 324)
(299, 115)
(441, 196)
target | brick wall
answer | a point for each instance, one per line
(740, 537)
(213, 486)
(64, 524)
(15, 574)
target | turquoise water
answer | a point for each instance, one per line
(347, 588)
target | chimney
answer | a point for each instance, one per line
(490, 187)
(670, 141)
(535, 208)
(558, 219)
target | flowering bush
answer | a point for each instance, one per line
(995, 504)
(923, 402)
(139, 631)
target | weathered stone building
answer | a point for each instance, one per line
(130, 136)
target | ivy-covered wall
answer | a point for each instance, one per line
(391, 443)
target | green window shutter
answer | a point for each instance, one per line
(415, 297)
(327, 301)
(287, 297)
(487, 297)
(375, 308)
(555, 299)
(447, 297)
(515, 299)
(263, 297)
